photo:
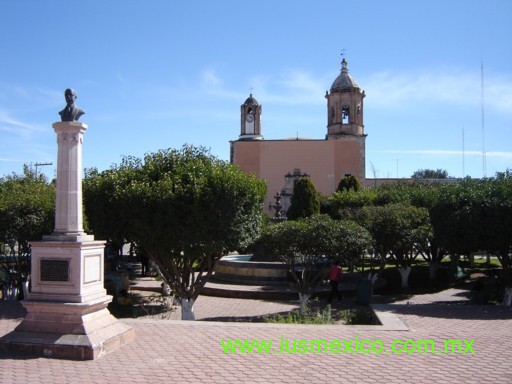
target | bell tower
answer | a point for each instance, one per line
(250, 120)
(344, 106)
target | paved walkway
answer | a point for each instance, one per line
(169, 351)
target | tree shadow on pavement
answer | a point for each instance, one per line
(11, 310)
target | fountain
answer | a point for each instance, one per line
(239, 269)
(246, 276)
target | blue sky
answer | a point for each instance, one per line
(159, 74)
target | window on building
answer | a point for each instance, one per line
(345, 115)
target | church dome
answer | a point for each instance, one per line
(251, 101)
(344, 82)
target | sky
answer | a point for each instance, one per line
(159, 74)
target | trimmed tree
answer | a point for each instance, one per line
(186, 208)
(103, 208)
(27, 212)
(305, 200)
(496, 225)
(349, 183)
(397, 230)
(307, 245)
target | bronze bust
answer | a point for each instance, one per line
(71, 112)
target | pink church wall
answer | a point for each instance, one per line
(326, 161)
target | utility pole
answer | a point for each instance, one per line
(41, 165)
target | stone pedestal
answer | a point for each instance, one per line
(67, 315)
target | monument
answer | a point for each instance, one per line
(67, 315)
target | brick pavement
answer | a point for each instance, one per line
(166, 351)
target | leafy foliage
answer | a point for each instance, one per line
(466, 216)
(305, 200)
(27, 209)
(349, 183)
(319, 316)
(307, 245)
(397, 229)
(430, 174)
(184, 207)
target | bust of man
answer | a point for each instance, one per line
(71, 112)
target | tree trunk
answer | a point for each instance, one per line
(471, 260)
(433, 267)
(303, 301)
(187, 309)
(24, 287)
(373, 277)
(404, 273)
(507, 298)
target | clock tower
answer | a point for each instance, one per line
(250, 120)
(326, 160)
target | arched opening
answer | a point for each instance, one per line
(345, 115)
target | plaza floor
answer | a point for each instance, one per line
(173, 351)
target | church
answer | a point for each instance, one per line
(325, 161)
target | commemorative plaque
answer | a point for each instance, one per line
(54, 270)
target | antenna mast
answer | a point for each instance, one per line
(484, 160)
(463, 155)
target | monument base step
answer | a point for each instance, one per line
(69, 346)
(78, 331)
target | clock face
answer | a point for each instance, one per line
(249, 117)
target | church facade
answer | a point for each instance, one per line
(326, 161)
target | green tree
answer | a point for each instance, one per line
(305, 200)
(397, 229)
(357, 242)
(348, 183)
(27, 212)
(421, 194)
(306, 246)
(496, 225)
(344, 205)
(476, 215)
(186, 208)
(104, 208)
(430, 174)
(456, 218)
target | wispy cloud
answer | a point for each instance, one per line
(300, 80)
(292, 87)
(439, 152)
(31, 97)
(7, 121)
(210, 78)
(7, 160)
(390, 89)
(24, 137)
(15, 126)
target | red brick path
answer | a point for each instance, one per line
(167, 351)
